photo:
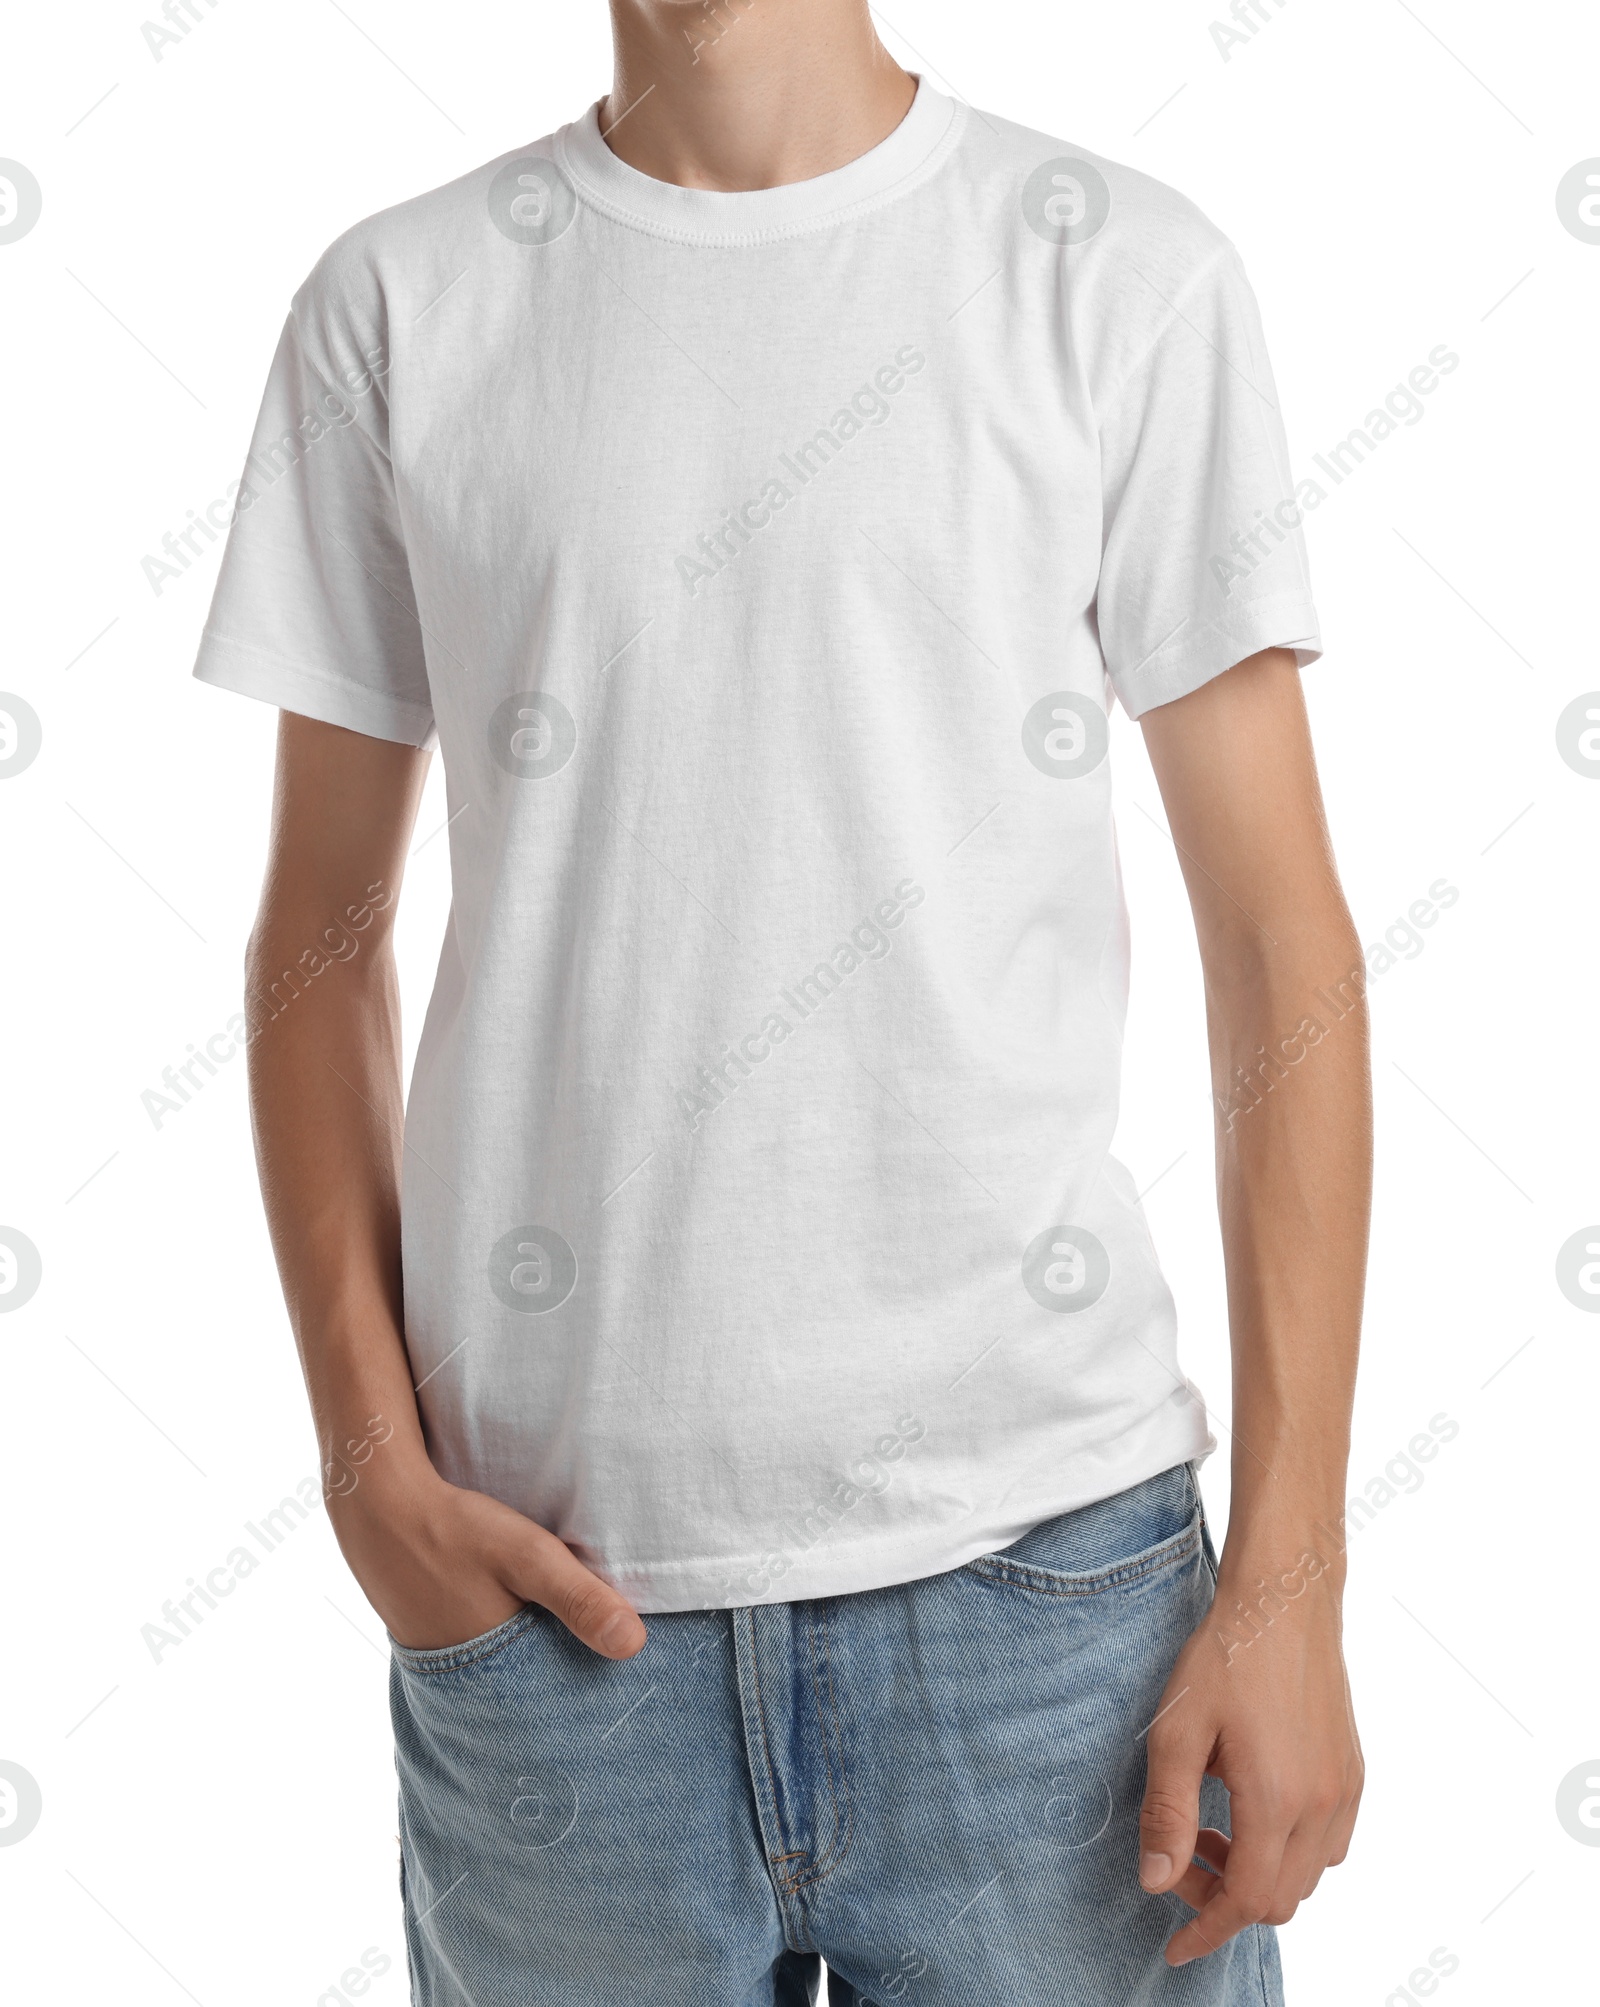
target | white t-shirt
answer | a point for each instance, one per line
(764, 564)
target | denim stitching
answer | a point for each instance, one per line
(406, 1923)
(783, 1885)
(836, 1849)
(1051, 1582)
(449, 1658)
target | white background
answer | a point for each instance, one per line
(220, 1826)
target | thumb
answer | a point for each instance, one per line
(1169, 1818)
(545, 1570)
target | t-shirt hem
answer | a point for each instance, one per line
(249, 671)
(1193, 657)
(904, 1555)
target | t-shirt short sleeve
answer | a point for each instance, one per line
(1203, 561)
(314, 609)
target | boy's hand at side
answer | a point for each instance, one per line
(1268, 1711)
(1259, 1696)
(441, 1565)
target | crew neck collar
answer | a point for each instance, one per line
(914, 150)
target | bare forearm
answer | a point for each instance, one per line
(1289, 1045)
(1265, 1703)
(322, 1002)
(1286, 1020)
(327, 1110)
(438, 1562)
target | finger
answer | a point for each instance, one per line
(1344, 1820)
(1213, 1846)
(1304, 1856)
(1248, 1884)
(546, 1571)
(1321, 1838)
(1197, 1885)
(1169, 1817)
(1327, 1843)
(1341, 1832)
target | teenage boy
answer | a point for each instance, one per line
(759, 489)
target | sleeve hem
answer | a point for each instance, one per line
(1195, 656)
(254, 672)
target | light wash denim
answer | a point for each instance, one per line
(934, 1787)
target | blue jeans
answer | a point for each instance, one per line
(935, 1787)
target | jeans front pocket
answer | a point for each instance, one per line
(471, 1651)
(1134, 1571)
(1118, 1543)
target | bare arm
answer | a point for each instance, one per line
(1259, 1695)
(439, 1564)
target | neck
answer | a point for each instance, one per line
(745, 94)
